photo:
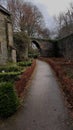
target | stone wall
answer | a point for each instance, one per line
(3, 40)
(44, 46)
(56, 48)
(65, 46)
(6, 38)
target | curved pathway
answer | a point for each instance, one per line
(43, 107)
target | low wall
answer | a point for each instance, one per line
(21, 84)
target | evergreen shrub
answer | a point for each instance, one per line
(8, 99)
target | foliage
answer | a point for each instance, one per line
(6, 76)
(68, 70)
(27, 17)
(33, 55)
(9, 69)
(8, 100)
(21, 84)
(12, 72)
(21, 37)
(26, 63)
(65, 22)
(21, 41)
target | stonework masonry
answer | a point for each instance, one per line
(65, 46)
(6, 37)
(56, 48)
(45, 46)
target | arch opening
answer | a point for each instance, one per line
(37, 45)
(35, 49)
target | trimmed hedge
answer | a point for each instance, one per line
(33, 56)
(12, 76)
(12, 72)
(9, 68)
(21, 84)
(8, 100)
(27, 63)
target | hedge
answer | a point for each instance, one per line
(12, 76)
(21, 84)
(9, 68)
(27, 63)
(8, 100)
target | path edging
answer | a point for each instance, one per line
(21, 84)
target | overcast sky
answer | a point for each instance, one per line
(51, 8)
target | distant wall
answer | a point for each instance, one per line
(45, 47)
(57, 48)
(65, 47)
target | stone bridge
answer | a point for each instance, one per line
(55, 48)
(45, 46)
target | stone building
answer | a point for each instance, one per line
(7, 50)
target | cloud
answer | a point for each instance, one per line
(50, 23)
(50, 8)
(54, 7)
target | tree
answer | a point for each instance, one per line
(26, 17)
(21, 41)
(27, 21)
(15, 8)
(65, 22)
(43, 33)
(31, 19)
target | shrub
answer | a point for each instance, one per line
(22, 42)
(9, 68)
(27, 63)
(12, 76)
(21, 84)
(33, 56)
(8, 100)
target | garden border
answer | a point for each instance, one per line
(65, 81)
(21, 83)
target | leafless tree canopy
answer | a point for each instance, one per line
(65, 22)
(27, 17)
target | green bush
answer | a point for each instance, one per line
(21, 41)
(12, 76)
(33, 56)
(27, 63)
(8, 100)
(9, 68)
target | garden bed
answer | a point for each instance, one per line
(18, 73)
(13, 80)
(68, 70)
(21, 83)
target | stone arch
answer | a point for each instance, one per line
(34, 48)
(37, 44)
